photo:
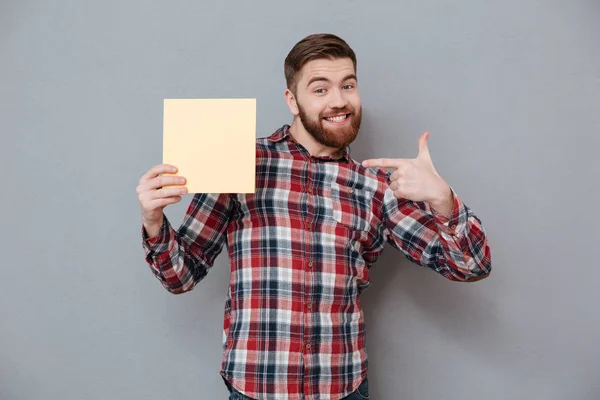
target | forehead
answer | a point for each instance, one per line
(330, 68)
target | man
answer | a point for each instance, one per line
(302, 245)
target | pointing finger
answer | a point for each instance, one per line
(382, 163)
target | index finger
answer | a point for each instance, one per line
(382, 163)
(159, 169)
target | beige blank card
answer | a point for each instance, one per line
(212, 142)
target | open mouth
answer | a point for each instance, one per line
(338, 119)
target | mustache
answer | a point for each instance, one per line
(335, 112)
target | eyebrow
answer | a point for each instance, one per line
(323, 79)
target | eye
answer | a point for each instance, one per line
(348, 86)
(320, 90)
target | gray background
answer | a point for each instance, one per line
(509, 89)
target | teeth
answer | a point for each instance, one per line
(339, 118)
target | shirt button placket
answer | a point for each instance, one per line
(309, 305)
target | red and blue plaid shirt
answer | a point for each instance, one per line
(301, 248)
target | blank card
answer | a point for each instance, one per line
(212, 142)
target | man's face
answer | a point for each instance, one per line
(328, 101)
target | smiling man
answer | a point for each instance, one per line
(302, 245)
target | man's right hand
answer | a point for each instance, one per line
(154, 195)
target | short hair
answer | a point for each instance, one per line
(313, 47)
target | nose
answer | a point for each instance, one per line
(337, 99)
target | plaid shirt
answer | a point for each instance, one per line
(300, 249)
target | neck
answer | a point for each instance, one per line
(301, 135)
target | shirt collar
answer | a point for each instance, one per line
(284, 133)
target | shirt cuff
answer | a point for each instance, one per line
(457, 222)
(159, 243)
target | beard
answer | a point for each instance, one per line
(336, 137)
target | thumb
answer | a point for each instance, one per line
(424, 146)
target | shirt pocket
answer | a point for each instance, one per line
(349, 206)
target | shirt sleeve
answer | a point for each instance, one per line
(180, 259)
(455, 247)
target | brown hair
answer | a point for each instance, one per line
(313, 47)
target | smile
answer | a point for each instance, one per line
(338, 118)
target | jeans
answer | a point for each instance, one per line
(361, 393)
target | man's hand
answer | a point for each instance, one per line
(416, 179)
(155, 194)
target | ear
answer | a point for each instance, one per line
(291, 102)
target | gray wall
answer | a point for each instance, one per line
(509, 89)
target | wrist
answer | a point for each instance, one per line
(443, 202)
(442, 195)
(152, 227)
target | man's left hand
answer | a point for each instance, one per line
(416, 178)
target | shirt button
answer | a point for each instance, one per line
(308, 346)
(310, 264)
(310, 189)
(351, 191)
(309, 305)
(310, 225)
